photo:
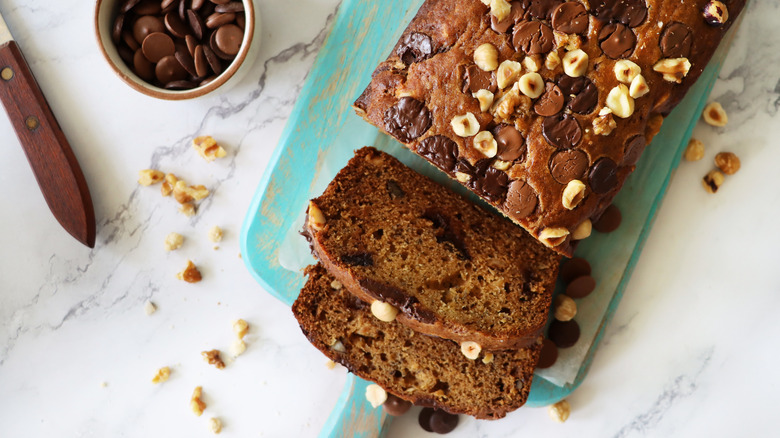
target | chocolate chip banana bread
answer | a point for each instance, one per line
(451, 268)
(425, 370)
(542, 107)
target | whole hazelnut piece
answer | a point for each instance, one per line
(727, 162)
(716, 13)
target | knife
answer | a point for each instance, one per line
(51, 158)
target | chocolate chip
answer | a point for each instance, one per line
(408, 119)
(142, 67)
(416, 47)
(511, 144)
(127, 5)
(169, 70)
(551, 102)
(542, 9)
(217, 19)
(212, 59)
(576, 267)
(603, 176)
(581, 94)
(567, 165)
(191, 44)
(396, 406)
(627, 12)
(395, 191)
(157, 46)
(440, 151)
(515, 15)
(358, 259)
(116, 33)
(230, 7)
(633, 149)
(609, 221)
(443, 422)
(183, 10)
(145, 26)
(129, 39)
(176, 26)
(475, 79)
(201, 64)
(571, 17)
(491, 183)
(424, 419)
(126, 54)
(533, 37)
(617, 41)
(564, 334)
(197, 4)
(215, 47)
(548, 356)
(676, 40)
(196, 23)
(186, 61)
(181, 85)
(148, 7)
(562, 131)
(521, 200)
(581, 287)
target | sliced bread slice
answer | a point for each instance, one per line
(425, 370)
(452, 268)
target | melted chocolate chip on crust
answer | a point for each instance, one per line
(603, 176)
(568, 165)
(521, 199)
(515, 15)
(440, 151)
(571, 17)
(617, 40)
(511, 144)
(676, 40)
(581, 94)
(542, 9)
(633, 149)
(631, 13)
(415, 48)
(475, 79)
(408, 119)
(533, 37)
(551, 102)
(562, 131)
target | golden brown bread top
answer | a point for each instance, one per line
(566, 106)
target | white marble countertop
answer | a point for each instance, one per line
(692, 350)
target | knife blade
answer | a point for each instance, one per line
(52, 160)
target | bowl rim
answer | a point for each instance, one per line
(148, 89)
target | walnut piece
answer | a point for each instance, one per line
(213, 358)
(184, 193)
(196, 404)
(162, 375)
(190, 274)
(167, 186)
(148, 177)
(604, 124)
(208, 148)
(187, 209)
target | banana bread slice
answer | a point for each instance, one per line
(452, 268)
(425, 370)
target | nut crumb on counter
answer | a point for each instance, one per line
(728, 162)
(148, 177)
(173, 241)
(330, 364)
(190, 274)
(715, 115)
(213, 358)
(149, 308)
(196, 404)
(238, 347)
(240, 328)
(694, 151)
(215, 234)
(215, 425)
(712, 181)
(208, 148)
(559, 411)
(162, 375)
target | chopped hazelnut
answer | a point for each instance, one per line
(485, 99)
(486, 144)
(173, 241)
(638, 87)
(316, 217)
(462, 177)
(196, 404)
(208, 148)
(712, 181)
(240, 328)
(162, 375)
(559, 411)
(715, 115)
(553, 237)
(376, 395)
(575, 63)
(532, 63)
(213, 358)
(507, 73)
(238, 347)
(330, 364)
(716, 13)
(335, 285)
(487, 358)
(215, 234)
(673, 69)
(383, 311)
(694, 151)
(148, 177)
(486, 57)
(190, 274)
(465, 125)
(167, 186)
(620, 102)
(573, 194)
(187, 209)
(728, 163)
(470, 349)
(626, 71)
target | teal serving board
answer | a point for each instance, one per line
(322, 134)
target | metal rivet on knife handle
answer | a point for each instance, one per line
(7, 74)
(32, 123)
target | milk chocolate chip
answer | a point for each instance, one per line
(633, 149)
(676, 40)
(542, 9)
(603, 176)
(551, 102)
(515, 15)
(396, 406)
(475, 79)
(408, 119)
(416, 47)
(630, 13)
(533, 37)
(146, 25)
(581, 287)
(567, 165)
(574, 268)
(609, 221)
(617, 41)
(511, 144)
(489, 182)
(157, 46)
(548, 356)
(562, 131)
(571, 17)
(581, 94)
(440, 151)
(521, 199)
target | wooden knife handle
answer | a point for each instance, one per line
(51, 158)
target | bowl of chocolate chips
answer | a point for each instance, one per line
(177, 49)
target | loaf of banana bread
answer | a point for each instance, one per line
(425, 370)
(451, 268)
(542, 107)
